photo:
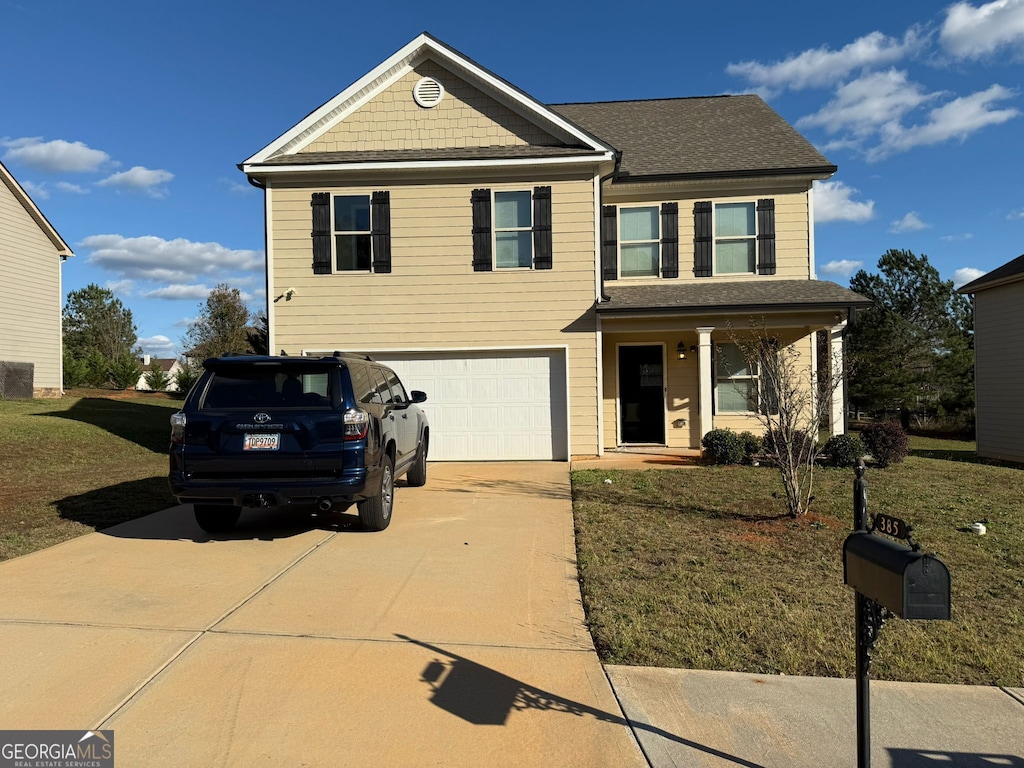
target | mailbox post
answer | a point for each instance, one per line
(889, 579)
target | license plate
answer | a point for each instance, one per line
(262, 442)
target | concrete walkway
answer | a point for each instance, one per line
(455, 638)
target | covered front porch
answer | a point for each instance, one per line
(670, 368)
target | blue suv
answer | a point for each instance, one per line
(259, 431)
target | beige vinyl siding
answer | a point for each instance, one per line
(792, 243)
(432, 299)
(30, 297)
(999, 371)
(466, 117)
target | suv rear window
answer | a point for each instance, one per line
(269, 387)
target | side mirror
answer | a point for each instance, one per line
(418, 397)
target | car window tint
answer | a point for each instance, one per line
(268, 387)
(364, 386)
(397, 390)
(382, 386)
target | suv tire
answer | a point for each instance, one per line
(215, 518)
(375, 512)
(417, 474)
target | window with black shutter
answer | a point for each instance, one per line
(481, 199)
(609, 243)
(512, 229)
(351, 233)
(542, 228)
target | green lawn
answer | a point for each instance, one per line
(700, 568)
(74, 465)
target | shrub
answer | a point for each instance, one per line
(185, 378)
(886, 441)
(125, 371)
(156, 379)
(804, 443)
(752, 445)
(843, 450)
(723, 446)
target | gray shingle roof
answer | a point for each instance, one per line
(697, 137)
(1012, 270)
(712, 295)
(407, 155)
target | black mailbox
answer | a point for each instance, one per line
(911, 584)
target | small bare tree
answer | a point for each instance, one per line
(793, 401)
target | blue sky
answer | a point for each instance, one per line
(125, 121)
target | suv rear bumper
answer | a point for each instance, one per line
(353, 487)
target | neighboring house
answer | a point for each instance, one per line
(541, 270)
(169, 365)
(31, 254)
(998, 364)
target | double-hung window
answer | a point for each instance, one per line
(513, 230)
(639, 242)
(351, 233)
(736, 379)
(735, 238)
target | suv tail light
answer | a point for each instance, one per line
(357, 424)
(178, 422)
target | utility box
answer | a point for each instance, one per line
(910, 583)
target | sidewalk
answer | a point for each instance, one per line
(698, 719)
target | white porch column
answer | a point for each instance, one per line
(837, 413)
(704, 373)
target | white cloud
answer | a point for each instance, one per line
(823, 67)
(159, 346)
(965, 275)
(57, 156)
(237, 187)
(139, 179)
(170, 261)
(74, 189)
(833, 202)
(1015, 215)
(863, 105)
(186, 322)
(956, 120)
(840, 268)
(957, 238)
(179, 292)
(122, 287)
(35, 191)
(909, 223)
(971, 33)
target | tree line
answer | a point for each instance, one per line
(101, 339)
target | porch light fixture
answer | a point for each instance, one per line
(681, 350)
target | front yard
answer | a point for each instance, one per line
(699, 568)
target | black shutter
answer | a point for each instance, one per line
(481, 230)
(542, 227)
(321, 233)
(380, 231)
(670, 239)
(766, 237)
(609, 243)
(702, 239)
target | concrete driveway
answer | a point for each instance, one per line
(454, 638)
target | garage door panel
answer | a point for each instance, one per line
(489, 405)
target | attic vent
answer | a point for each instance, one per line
(428, 92)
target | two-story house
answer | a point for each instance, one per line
(560, 279)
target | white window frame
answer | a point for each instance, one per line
(619, 241)
(336, 232)
(495, 230)
(729, 379)
(715, 238)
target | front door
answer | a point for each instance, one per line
(641, 394)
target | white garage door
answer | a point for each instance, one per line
(489, 405)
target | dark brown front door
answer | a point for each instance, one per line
(641, 394)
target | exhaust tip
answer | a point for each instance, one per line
(324, 504)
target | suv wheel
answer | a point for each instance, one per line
(417, 474)
(375, 513)
(214, 518)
